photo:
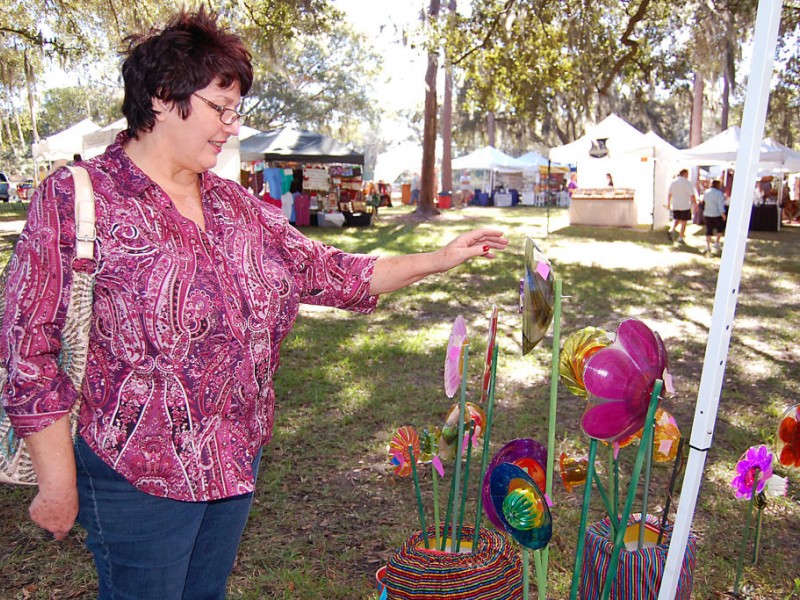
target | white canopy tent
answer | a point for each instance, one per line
(723, 149)
(96, 142)
(487, 158)
(634, 160)
(664, 161)
(64, 144)
(405, 157)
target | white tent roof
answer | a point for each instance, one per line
(95, 142)
(488, 158)
(789, 159)
(620, 136)
(406, 156)
(723, 148)
(65, 144)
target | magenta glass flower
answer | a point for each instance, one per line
(757, 461)
(620, 379)
(453, 362)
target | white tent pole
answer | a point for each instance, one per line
(755, 109)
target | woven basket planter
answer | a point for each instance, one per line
(639, 572)
(492, 572)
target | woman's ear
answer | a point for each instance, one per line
(161, 108)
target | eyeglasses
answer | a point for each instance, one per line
(228, 116)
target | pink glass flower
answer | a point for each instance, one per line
(454, 361)
(399, 456)
(756, 462)
(620, 379)
(487, 369)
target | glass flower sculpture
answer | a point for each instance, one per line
(526, 454)
(519, 506)
(454, 361)
(449, 440)
(429, 448)
(620, 379)
(573, 470)
(578, 348)
(757, 460)
(487, 368)
(666, 437)
(399, 456)
(538, 296)
(788, 438)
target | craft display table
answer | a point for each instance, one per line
(603, 206)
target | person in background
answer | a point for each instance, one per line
(415, 190)
(197, 284)
(466, 187)
(714, 214)
(573, 183)
(680, 200)
(610, 180)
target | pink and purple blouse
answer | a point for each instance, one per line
(186, 328)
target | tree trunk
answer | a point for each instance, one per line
(696, 125)
(490, 128)
(726, 96)
(426, 206)
(29, 79)
(447, 116)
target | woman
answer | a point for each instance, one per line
(197, 284)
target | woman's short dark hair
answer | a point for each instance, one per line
(170, 64)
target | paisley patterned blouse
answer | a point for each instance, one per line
(186, 327)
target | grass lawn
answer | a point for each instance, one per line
(328, 511)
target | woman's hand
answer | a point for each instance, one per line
(56, 505)
(395, 272)
(55, 510)
(478, 242)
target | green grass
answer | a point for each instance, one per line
(328, 511)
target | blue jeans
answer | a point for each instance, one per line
(151, 548)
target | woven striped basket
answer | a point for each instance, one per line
(639, 572)
(492, 572)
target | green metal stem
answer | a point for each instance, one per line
(420, 505)
(449, 512)
(551, 421)
(757, 541)
(485, 457)
(435, 481)
(526, 573)
(462, 409)
(612, 519)
(587, 494)
(648, 466)
(745, 534)
(619, 539)
(466, 486)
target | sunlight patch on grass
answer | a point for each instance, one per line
(615, 255)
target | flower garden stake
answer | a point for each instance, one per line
(551, 421)
(619, 539)
(460, 445)
(485, 457)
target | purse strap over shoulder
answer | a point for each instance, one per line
(85, 232)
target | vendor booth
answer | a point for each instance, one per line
(313, 178)
(774, 159)
(642, 165)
